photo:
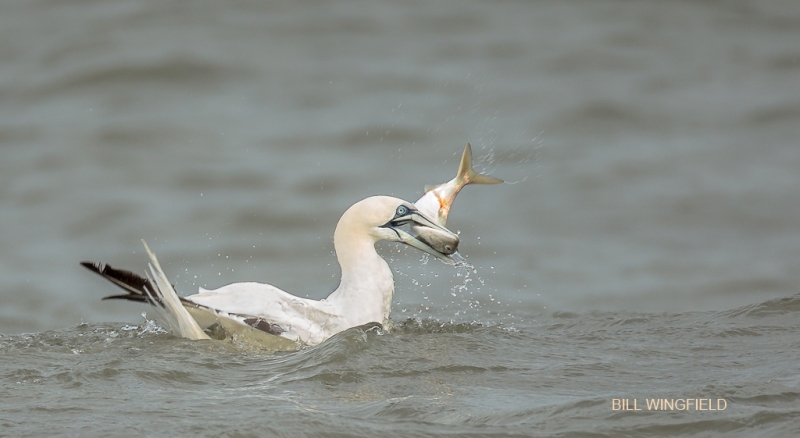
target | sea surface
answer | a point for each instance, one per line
(645, 245)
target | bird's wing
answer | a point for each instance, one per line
(292, 317)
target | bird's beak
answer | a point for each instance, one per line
(416, 230)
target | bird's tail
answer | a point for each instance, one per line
(154, 289)
(171, 310)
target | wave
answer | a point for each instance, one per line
(175, 71)
(769, 308)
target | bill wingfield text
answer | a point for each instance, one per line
(669, 404)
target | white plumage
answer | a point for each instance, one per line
(264, 315)
(262, 311)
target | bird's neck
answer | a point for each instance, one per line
(365, 292)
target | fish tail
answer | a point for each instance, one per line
(467, 174)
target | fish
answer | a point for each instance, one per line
(437, 200)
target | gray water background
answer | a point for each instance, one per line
(651, 149)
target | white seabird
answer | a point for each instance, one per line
(364, 294)
(265, 315)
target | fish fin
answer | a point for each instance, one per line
(466, 172)
(429, 187)
(479, 178)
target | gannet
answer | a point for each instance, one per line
(265, 315)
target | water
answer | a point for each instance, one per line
(645, 247)
(555, 375)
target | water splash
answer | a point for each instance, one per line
(150, 327)
(463, 290)
(454, 293)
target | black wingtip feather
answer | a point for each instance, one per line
(129, 297)
(135, 285)
(94, 267)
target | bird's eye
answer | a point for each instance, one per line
(402, 211)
